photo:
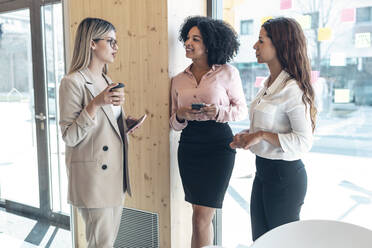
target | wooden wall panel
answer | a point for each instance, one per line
(149, 53)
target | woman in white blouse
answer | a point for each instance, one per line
(282, 121)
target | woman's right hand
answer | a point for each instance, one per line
(246, 140)
(105, 97)
(115, 98)
(188, 114)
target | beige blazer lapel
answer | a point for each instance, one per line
(93, 90)
(129, 191)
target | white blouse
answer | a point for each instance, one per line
(116, 110)
(280, 109)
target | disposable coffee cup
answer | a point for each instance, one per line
(118, 88)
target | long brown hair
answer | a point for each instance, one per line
(291, 49)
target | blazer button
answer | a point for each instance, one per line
(104, 167)
(105, 148)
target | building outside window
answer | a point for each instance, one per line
(246, 27)
(364, 14)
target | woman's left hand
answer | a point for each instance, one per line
(210, 110)
(130, 120)
(246, 140)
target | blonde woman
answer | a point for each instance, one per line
(94, 130)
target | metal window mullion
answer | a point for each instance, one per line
(215, 9)
(55, 67)
(14, 5)
(40, 104)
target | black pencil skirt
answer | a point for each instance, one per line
(206, 162)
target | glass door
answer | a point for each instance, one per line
(338, 166)
(19, 159)
(32, 176)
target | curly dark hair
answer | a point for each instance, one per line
(219, 38)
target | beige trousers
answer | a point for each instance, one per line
(101, 225)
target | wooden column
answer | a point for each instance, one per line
(149, 54)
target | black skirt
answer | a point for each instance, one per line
(206, 162)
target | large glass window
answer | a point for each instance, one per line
(54, 71)
(33, 186)
(18, 159)
(339, 165)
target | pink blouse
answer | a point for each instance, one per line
(221, 86)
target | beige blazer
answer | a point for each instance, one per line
(95, 151)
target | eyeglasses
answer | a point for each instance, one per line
(113, 42)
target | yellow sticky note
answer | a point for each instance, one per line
(304, 21)
(324, 34)
(228, 4)
(342, 95)
(239, 2)
(362, 40)
(264, 19)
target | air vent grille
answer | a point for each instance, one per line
(138, 229)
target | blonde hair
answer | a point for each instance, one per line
(89, 29)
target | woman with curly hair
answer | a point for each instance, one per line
(204, 156)
(282, 123)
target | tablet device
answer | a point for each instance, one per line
(134, 124)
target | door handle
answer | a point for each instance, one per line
(41, 117)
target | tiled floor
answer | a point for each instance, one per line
(17, 231)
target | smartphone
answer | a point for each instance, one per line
(134, 124)
(197, 106)
(120, 85)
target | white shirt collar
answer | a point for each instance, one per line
(281, 78)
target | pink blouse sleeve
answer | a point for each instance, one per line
(174, 123)
(237, 110)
